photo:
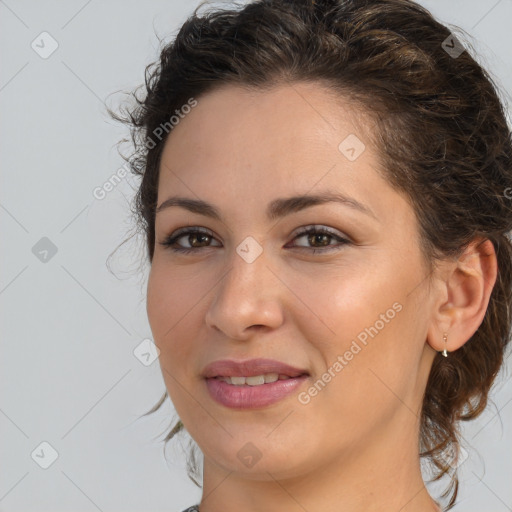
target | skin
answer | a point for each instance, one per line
(354, 446)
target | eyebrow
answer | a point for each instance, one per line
(276, 209)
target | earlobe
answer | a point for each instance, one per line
(465, 292)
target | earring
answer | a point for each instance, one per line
(445, 337)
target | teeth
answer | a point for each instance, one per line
(256, 380)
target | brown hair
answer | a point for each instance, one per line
(440, 128)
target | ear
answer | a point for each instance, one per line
(463, 296)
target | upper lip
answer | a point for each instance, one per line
(249, 368)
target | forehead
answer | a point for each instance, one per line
(276, 134)
(291, 108)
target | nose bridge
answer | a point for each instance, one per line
(247, 277)
(244, 296)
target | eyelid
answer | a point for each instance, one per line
(186, 229)
(304, 230)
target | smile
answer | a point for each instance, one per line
(252, 396)
(256, 380)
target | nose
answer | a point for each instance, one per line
(246, 299)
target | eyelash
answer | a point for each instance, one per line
(170, 241)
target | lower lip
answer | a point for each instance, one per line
(252, 397)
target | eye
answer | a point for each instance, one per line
(321, 236)
(198, 238)
(195, 237)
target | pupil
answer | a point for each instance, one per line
(316, 237)
(199, 237)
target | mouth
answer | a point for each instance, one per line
(255, 383)
(256, 380)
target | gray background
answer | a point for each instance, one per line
(69, 375)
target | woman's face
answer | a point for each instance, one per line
(348, 305)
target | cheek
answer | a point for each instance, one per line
(360, 329)
(172, 309)
(172, 304)
(170, 295)
(348, 303)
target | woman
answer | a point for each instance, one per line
(324, 199)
